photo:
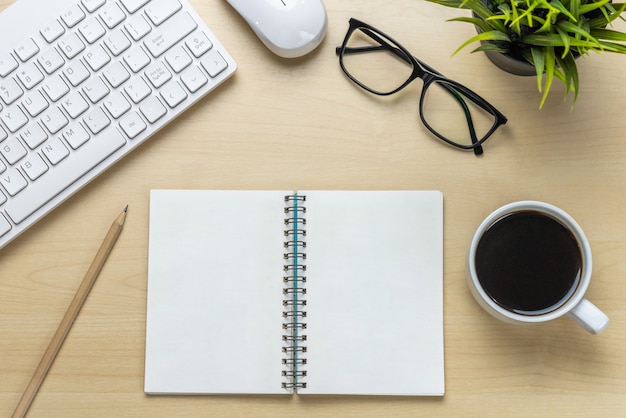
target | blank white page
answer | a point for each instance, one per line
(214, 310)
(374, 293)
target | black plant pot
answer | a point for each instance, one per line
(510, 64)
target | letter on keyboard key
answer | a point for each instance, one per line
(34, 166)
(67, 172)
(54, 120)
(95, 89)
(35, 103)
(12, 150)
(173, 30)
(55, 151)
(13, 181)
(14, 118)
(55, 87)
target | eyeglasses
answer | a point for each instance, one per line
(451, 111)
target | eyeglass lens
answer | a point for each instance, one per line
(374, 65)
(378, 64)
(449, 112)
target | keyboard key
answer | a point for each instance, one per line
(133, 5)
(152, 109)
(74, 104)
(67, 172)
(12, 150)
(76, 73)
(50, 60)
(117, 42)
(167, 35)
(178, 59)
(34, 166)
(75, 135)
(26, 49)
(198, 44)
(34, 103)
(137, 90)
(115, 74)
(29, 75)
(214, 63)
(158, 74)
(95, 89)
(96, 120)
(34, 135)
(96, 58)
(13, 181)
(72, 16)
(13, 118)
(71, 45)
(55, 151)
(53, 119)
(112, 15)
(55, 87)
(137, 27)
(117, 104)
(132, 125)
(10, 91)
(92, 30)
(7, 64)
(194, 79)
(173, 94)
(52, 31)
(136, 59)
(158, 11)
(92, 5)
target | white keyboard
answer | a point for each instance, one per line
(82, 83)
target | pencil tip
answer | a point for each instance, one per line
(126, 208)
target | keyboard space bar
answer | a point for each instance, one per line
(62, 176)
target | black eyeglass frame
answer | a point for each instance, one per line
(428, 75)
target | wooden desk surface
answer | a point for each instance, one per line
(301, 124)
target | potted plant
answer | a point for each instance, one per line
(546, 35)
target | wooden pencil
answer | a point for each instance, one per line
(71, 314)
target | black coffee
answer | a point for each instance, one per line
(528, 262)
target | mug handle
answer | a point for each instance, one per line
(588, 316)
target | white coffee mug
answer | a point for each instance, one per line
(575, 305)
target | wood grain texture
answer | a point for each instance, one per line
(301, 124)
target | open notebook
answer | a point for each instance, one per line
(318, 292)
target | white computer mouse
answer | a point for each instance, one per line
(289, 28)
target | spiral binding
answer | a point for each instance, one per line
(294, 293)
